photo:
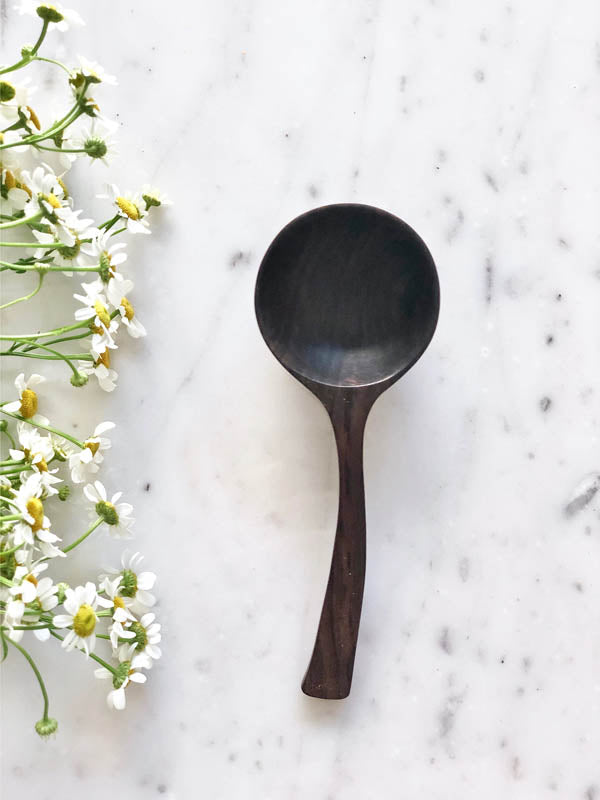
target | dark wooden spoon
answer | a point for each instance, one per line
(347, 299)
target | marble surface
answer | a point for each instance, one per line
(478, 666)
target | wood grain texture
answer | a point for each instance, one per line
(347, 299)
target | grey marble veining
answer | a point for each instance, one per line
(478, 666)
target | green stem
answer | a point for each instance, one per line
(25, 354)
(6, 581)
(54, 61)
(31, 55)
(96, 658)
(54, 332)
(21, 221)
(60, 149)
(36, 671)
(44, 428)
(26, 296)
(84, 536)
(70, 116)
(58, 355)
(9, 518)
(33, 267)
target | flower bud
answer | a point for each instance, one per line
(3, 425)
(62, 591)
(79, 380)
(121, 674)
(46, 726)
(64, 492)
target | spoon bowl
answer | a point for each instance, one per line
(347, 299)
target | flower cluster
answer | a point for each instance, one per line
(44, 233)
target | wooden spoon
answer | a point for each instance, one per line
(347, 299)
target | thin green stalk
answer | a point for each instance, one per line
(45, 334)
(21, 221)
(6, 581)
(26, 296)
(54, 61)
(34, 267)
(96, 658)
(37, 674)
(68, 356)
(84, 536)
(32, 53)
(44, 428)
(9, 518)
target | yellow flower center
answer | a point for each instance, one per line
(84, 621)
(52, 200)
(34, 117)
(35, 508)
(129, 312)
(42, 465)
(29, 403)
(128, 208)
(32, 579)
(119, 602)
(62, 186)
(102, 313)
(9, 180)
(103, 358)
(93, 446)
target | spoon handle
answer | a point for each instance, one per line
(329, 673)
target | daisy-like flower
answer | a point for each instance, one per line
(116, 515)
(27, 404)
(39, 595)
(67, 256)
(91, 72)
(108, 256)
(153, 197)
(96, 311)
(13, 196)
(135, 586)
(112, 590)
(128, 206)
(37, 451)
(56, 14)
(116, 291)
(84, 463)
(101, 369)
(96, 141)
(127, 672)
(13, 98)
(145, 642)
(80, 604)
(34, 528)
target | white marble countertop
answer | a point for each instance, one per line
(478, 665)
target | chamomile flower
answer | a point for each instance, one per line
(96, 141)
(108, 256)
(146, 639)
(153, 197)
(34, 527)
(101, 370)
(13, 98)
(112, 590)
(36, 449)
(135, 586)
(13, 197)
(27, 404)
(116, 515)
(85, 462)
(93, 72)
(128, 206)
(116, 291)
(67, 256)
(80, 604)
(127, 672)
(96, 311)
(56, 14)
(29, 590)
